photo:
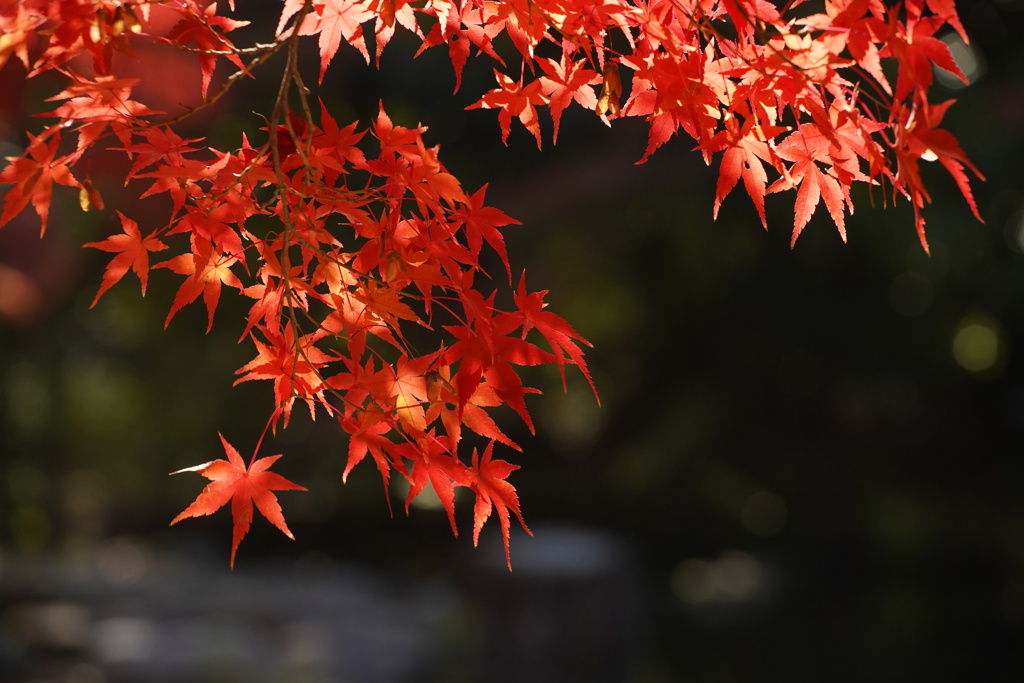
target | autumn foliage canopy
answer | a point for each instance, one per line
(353, 244)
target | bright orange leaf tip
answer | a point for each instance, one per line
(231, 480)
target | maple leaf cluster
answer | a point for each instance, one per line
(354, 244)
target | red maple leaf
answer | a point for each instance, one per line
(805, 147)
(487, 480)
(292, 361)
(487, 354)
(445, 402)
(333, 20)
(481, 222)
(565, 83)
(367, 435)
(98, 105)
(433, 463)
(19, 23)
(558, 333)
(207, 269)
(460, 27)
(210, 42)
(514, 99)
(401, 388)
(918, 137)
(916, 52)
(34, 173)
(132, 252)
(746, 147)
(231, 480)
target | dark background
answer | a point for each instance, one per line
(806, 463)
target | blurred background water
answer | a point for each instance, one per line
(806, 464)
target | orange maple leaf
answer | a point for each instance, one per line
(231, 480)
(133, 252)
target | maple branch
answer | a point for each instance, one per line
(221, 91)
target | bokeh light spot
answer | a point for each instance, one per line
(735, 576)
(966, 57)
(977, 346)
